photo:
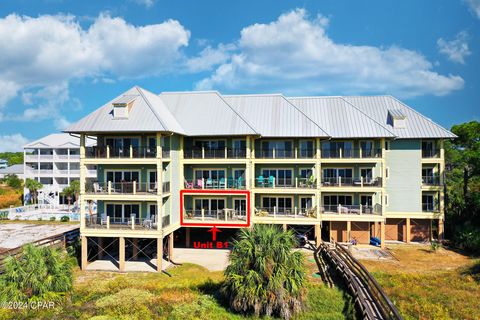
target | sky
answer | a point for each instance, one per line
(62, 59)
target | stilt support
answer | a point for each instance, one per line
(121, 254)
(84, 253)
(159, 253)
(409, 229)
(382, 234)
(318, 234)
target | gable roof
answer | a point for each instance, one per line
(58, 140)
(416, 124)
(206, 114)
(148, 114)
(13, 169)
(274, 116)
(339, 119)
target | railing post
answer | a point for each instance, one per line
(360, 152)
(225, 211)
(134, 187)
(108, 151)
(361, 207)
(203, 183)
(132, 217)
(275, 212)
(296, 152)
(225, 152)
(339, 181)
(296, 182)
(109, 187)
(339, 208)
(295, 214)
(108, 222)
(340, 153)
(361, 181)
(274, 182)
(131, 151)
(203, 152)
(273, 153)
(203, 214)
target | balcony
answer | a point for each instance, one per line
(222, 183)
(117, 223)
(351, 182)
(285, 153)
(352, 209)
(430, 207)
(122, 153)
(431, 180)
(126, 188)
(207, 153)
(351, 153)
(36, 157)
(223, 215)
(273, 183)
(286, 212)
(430, 153)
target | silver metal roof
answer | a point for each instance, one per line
(206, 114)
(274, 116)
(147, 114)
(267, 115)
(13, 169)
(416, 125)
(58, 140)
(339, 119)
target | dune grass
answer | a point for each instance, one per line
(188, 292)
(430, 285)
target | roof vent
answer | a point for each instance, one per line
(398, 119)
(122, 106)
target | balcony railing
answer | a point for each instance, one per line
(207, 153)
(351, 182)
(430, 207)
(165, 186)
(431, 180)
(352, 209)
(119, 153)
(285, 153)
(272, 182)
(430, 153)
(351, 153)
(225, 214)
(286, 212)
(222, 183)
(132, 222)
(121, 188)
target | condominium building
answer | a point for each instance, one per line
(345, 167)
(3, 163)
(54, 161)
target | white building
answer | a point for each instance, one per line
(16, 169)
(54, 160)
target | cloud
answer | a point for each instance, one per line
(295, 55)
(474, 6)
(209, 57)
(146, 3)
(455, 50)
(51, 51)
(12, 143)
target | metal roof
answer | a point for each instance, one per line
(416, 125)
(125, 99)
(274, 116)
(396, 114)
(13, 169)
(339, 118)
(58, 140)
(206, 114)
(147, 114)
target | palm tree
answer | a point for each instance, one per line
(265, 277)
(75, 185)
(33, 186)
(39, 272)
(69, 193)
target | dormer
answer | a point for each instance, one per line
(398, 119)
(122, 106)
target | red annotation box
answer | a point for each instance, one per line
(215, 223)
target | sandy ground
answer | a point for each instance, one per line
(212, 259)
(13, 235)
(130, 266)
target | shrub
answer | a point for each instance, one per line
(40, 219)
(53, 218)
(64, 219)
(39, 273)
(10, 199)
(468, 239)
(435, 245)
(265, 277)
(129, 303)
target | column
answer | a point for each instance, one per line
(121, 254)
(81, 202)
(100, 248)
(170, 246)
(159, 216)
(159, 253)
(382, 234)
(135, 249)
(349, 230)
(318, 234)
(440, 229)
(187, 237)
(84, 252)
(284, 227)
(407, 233)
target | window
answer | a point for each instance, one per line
(283, 205)
(367, 148)
(210, 206)
(335, 200)
(305, 204)
(282, 149)
(239, 144)
(210, 144)
(119, 213)
(331, 149)
(240, 206)
(119, 176)
(428, 202)
(306, 173)
(121, 146)
(283, 177)
(387, 145)
(331, 175)
(238, 173)
(152, 179)
(152, 211)
(214, 174)
(366, 174)
(306, 149)
(366, 200)
(428, 149)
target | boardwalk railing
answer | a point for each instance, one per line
(369, 296)
(61, 240)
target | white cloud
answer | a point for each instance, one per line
(12, 143)
(209, 57)
(455, 50)
(474, 6)
(146, 3)
(47, 52)
(295, 55)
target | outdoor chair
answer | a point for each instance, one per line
(260, 181)
(103, 219)
(271, 182)
(200, 183)
(209, 183)
(97, 188)
(188, 185)
(221, 183)
(239, 182)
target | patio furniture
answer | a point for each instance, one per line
(103, 219)
(209, 183)
(221, 183)
(271, 182)
(97, 188)
(200, 183)
(311, 181)
(239, 182)
(154, 189)
(354, 211)
(260, 181)
(188, 185)
(343, 209)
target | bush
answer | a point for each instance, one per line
(10, 199)
(65, 219)
(468, 239)
(53, 218)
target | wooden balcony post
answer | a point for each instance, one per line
(109, 187)
(360, 152)
(131, 151)
(108, 222)
(349, 230)
(382, 234)
(132, 217)
(361, 181)
(203, 214)
(226, 152)
(296, 152)
(361, 207)
(108, 151)
(408, 230)
(340, 153)
(339, 181)
(296, 182)
(134, 184)
(203, 152)
(84, 252)
(440, 230)
(203, 183)
(121, 254)
(318, 234)
(295, 212)
(339, 208)
(275, 212)
(159, 253)
(226, 212)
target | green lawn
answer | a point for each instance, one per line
(190, 292)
